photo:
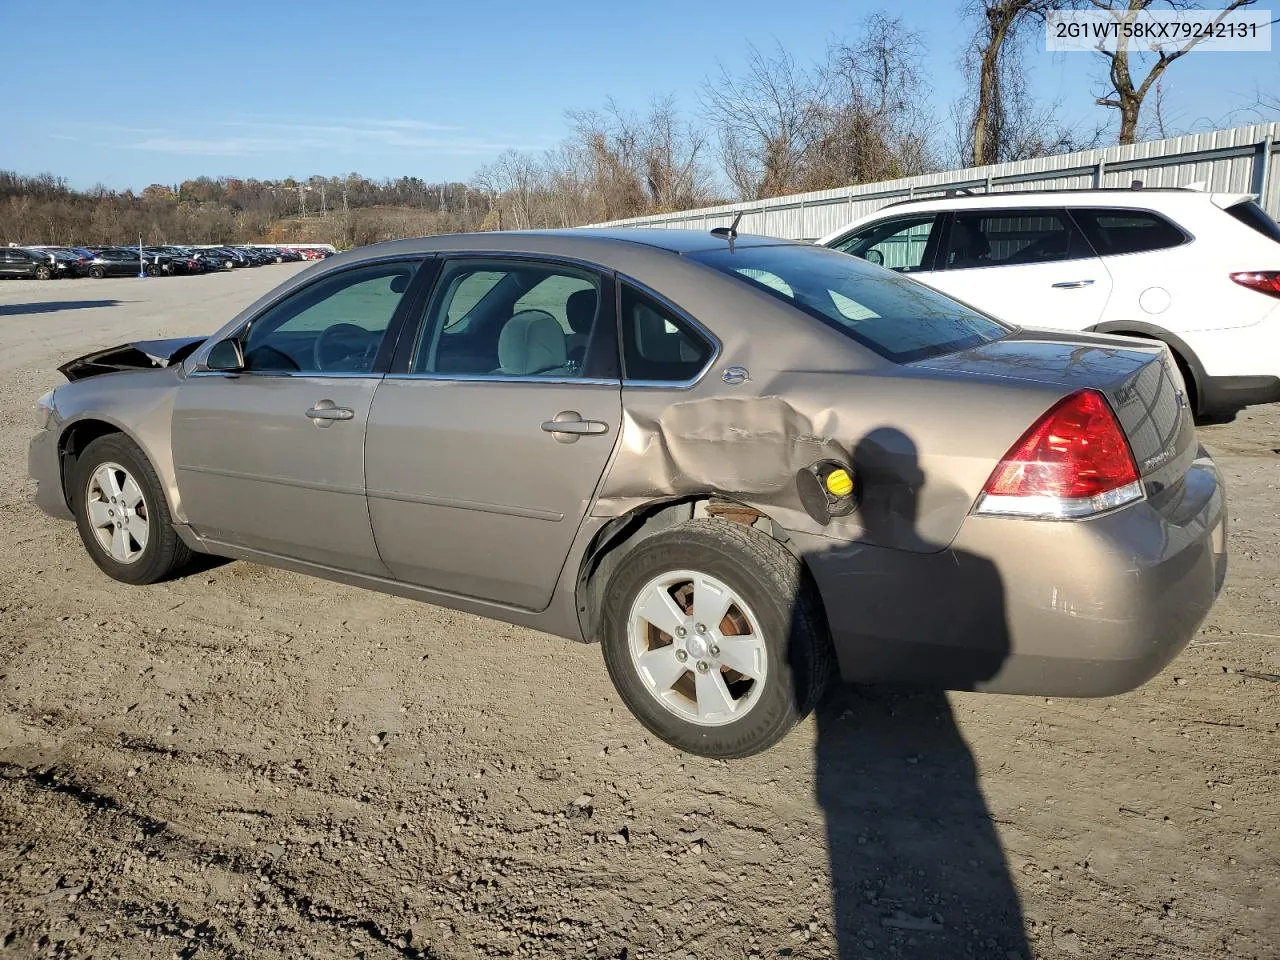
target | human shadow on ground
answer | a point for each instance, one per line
(52, 306)
(917, 868)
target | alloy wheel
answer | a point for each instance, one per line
(697, 647)
(117, 512)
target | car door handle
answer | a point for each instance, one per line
(568, 425)
(1072, 284)
(326, 411)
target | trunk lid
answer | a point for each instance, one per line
(1138, 377)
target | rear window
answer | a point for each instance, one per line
(1114, 232)
(1252, 215)
(897, 318)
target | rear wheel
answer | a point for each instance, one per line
(122, 514)
(714, 637)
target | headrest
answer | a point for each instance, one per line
(531, 342)
(580, 310)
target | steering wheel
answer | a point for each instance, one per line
(357, 342)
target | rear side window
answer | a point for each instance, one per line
(895, 317)
(1009, 238)
(1114, 232)
(657, 343)
(1252, 215)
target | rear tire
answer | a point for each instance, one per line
(122, 514)
(771, 626)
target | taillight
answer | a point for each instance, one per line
(1264, 281)
(1073, 462)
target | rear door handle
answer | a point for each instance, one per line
(568, 425)
(1072, 284)
(326, 411)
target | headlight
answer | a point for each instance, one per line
(44, 410)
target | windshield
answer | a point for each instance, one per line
(897, 318)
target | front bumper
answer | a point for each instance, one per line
(44, 468)
(1069, 608)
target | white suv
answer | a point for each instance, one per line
(1199, 271)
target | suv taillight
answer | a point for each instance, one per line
(1264, 281)
(1073, 462)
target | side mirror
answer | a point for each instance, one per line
(226, 356)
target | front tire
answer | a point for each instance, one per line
(97, 273)
(714, 637)
(122, 514)
(43, 272)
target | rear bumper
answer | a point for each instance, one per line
(44, 469)
(1073, 608)
(1225, 395)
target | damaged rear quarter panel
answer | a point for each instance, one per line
(922, 442)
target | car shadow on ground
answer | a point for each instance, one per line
(917, 868)
(53, 306)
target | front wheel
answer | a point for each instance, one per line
(714, 637)
(97, 273)
(43, 272)
(122, 514)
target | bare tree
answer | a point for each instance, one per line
(1125, 95)
(875, 118)
(766, 119)
(993, 67)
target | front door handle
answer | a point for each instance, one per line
(1072, 284)
(326, 411)
(568, 425)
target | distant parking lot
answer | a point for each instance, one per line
(249, 762)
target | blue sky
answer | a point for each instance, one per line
(143, 92)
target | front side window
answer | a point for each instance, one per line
(897, 318)
(1011, 238)
(1114, 232)
(901, 244)
(658, 344)
(333, 326)
(510, 318)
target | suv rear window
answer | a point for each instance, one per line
(897, 318)
(1252, 215)
(1114, 232)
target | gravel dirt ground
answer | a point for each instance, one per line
(251, 763)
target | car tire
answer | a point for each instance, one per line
(43, 272)
(97, 273)
(113, 486)
(153, 270)
(776, 631)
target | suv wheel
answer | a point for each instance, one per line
(43, 272)
(714, 637)
(122, 514)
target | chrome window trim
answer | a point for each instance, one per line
(499, 378)
(716, 346)
(278, 374)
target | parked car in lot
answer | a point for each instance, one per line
(737, 462)
(20, 262)
(114, 262)
(1197, 271)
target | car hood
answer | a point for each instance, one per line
(139, 355)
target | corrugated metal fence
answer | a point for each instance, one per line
(1239, 160)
